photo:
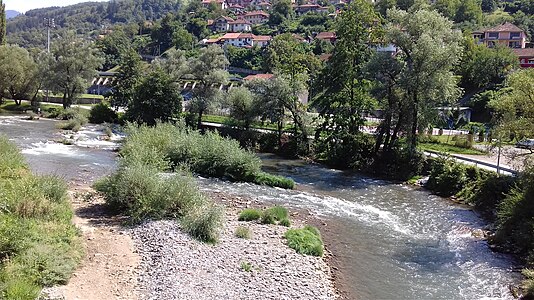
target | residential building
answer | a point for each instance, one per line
(526, 57)
(506, 34)
(258, 76)
(219, 3)
(238, 39)
(240, 25)
(305, 8)
(256, 17)
(262, 40)
(222, 24)
(236, 8)
(327, 36)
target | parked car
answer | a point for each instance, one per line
(526, 144)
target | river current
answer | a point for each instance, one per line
(391, 241)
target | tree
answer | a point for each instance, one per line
(281, 11)
(208, 69)
(242, 106)
(112, 46)
(341, 94)
(469, 11)
(429, 49)
(174, 63)
(447, 8)
(17, 73)
(482, 67)
(515, 105)
(128, 77)
(73, 66)
(183, 40)
(488, 5)
(156, 98)
(3, 23)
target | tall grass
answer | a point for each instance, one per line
(39, 246)
(166, 145)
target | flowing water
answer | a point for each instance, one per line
(391, 241)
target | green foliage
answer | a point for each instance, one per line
(18, 71)
(249, 214)
(243, 232)
(203, 223)
(263, 178)
(278, 212)
(447, 177)
(208, 154)
(3, 36)
(102, 113)
(285, 222)
(156, 98)
(75, 118)
(305, 241)
(128, 78)
(38, 243)
(346, 150)
(246, 266)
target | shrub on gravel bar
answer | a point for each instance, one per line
(249, 214)
(243, 232)
(305, 241)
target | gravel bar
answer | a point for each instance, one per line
(175, 266)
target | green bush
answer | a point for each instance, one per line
(305, 241)
(249, 214)
(20, 289)
(243, 232)
(203, 223)
(102, 113)
(347, 151)
(208, 154)
(268, 218)
(447, 177)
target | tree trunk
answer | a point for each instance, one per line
(199, 121)
(65, 104)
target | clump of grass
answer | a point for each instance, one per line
(249, 214)
(246, 266)
(243, 232)
(274, 214)
(285, 222)
(528, 283)
(263, 178)
(305, 241)
(75, 118)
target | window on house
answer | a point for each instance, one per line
(515, 35)
(514, 45)
(493, 35)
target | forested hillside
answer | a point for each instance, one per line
(28, 30)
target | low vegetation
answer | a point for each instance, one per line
(209, 154)
(305, 241)
(74, 119)
(102, 113)
(274, 215)
(249, 214)
(39, 245)
(243, 232)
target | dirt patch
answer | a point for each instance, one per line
(108, 268)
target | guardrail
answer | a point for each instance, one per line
(475, 161)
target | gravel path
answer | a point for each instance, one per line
(174, 266)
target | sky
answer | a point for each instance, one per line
(25, 5)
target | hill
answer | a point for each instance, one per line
(10, 14)
(28, 30)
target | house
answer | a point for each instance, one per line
(238, 39)
(256, 17)
(222, 4)
(327, 36)
(222, 23)
(305, 8)
(506, 34)
(236, 8)
(258, 76)
(265, 6)
(262, 40)
(526, 57)
(240, 25)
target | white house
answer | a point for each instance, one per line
(240, 25)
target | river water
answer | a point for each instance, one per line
(390, 240)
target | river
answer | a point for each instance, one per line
(390, 241)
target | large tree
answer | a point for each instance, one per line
(18, 73)
(74, 65)
(429, 48)
(3, 36)
(342, 91)
(156, 98)
(515, 105)
(128, 77)
(242, 106)
(209, 70)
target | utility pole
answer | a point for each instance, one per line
(49, 23)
